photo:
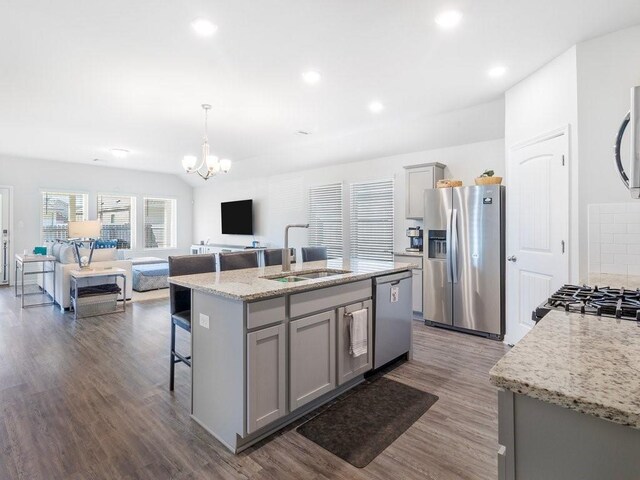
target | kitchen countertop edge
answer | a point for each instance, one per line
(522, 369)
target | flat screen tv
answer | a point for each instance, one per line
(237, 217)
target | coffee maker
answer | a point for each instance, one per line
(415, 237)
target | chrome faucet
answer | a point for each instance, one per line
(286, 254)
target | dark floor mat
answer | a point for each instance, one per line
(360, 426)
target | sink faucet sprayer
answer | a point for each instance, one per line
(286, 255)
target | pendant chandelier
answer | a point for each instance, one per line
(207, 165)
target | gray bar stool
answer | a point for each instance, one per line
(312, 254)
(273, 256)
(180, 300)
(238, 260)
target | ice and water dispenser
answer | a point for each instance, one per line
(437, 244)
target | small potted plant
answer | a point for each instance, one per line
(487, 178)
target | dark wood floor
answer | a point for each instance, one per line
(89, 399)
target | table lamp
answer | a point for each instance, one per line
(79, 232)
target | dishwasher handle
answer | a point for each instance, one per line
(393, 278)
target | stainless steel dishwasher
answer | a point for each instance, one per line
(392, 320)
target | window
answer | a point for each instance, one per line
(58, 209)
(372, 220)
(159, 223)
(325, 218)
(117, 214)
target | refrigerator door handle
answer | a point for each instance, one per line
(448, 246)
(454, 246)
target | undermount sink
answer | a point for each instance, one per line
(288, 278)
(306, 275)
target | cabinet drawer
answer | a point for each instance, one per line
(328, 298)
(265, 312)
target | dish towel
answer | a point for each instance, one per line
(358, 333)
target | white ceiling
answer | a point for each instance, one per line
(81, 77)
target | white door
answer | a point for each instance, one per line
(537, 228)
(5, 270)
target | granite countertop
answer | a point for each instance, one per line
(247, 284)
(409, 254)
(583, 362)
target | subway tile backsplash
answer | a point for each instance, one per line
(614, 238)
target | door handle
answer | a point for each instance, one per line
(454, 246)
(448, 246)
(512, 258)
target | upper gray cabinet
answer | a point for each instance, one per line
(417, 179)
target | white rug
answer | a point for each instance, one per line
(150, 295)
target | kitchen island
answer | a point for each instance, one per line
(569, 400)
(269, 346)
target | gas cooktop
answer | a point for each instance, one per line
(604, 301)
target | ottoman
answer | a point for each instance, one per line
(150, 276)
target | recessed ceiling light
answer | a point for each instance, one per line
(376, 107)
(497, 71)
(449, 18)
(119, 152)
(204, 27)
(311, 77)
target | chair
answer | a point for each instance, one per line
(238, 260)
(180, 300)
(312, 254)
(273, 256)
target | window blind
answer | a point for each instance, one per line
(58, 209)
(372, 220)
(116, 212)
(325, 218)
(159, 223)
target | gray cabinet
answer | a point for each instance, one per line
(312, 361)
(266, 376)
(418, 291)
(417, 179)
(348, 366)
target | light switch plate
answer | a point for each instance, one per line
(204, 320)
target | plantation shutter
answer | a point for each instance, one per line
(58, 209)
(325, 218)
(372, 220)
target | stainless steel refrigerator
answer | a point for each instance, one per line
(464, 242)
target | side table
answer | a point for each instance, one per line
(21, 262)
(81, 297)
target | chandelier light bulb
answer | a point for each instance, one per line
(213, 165)
(225, 165)
(189, 162)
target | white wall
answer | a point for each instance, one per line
(29, 177)
(545, 101)
(608, 67)
(281, 199)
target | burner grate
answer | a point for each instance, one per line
(607, 301)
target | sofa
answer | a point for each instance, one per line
(66, 261)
